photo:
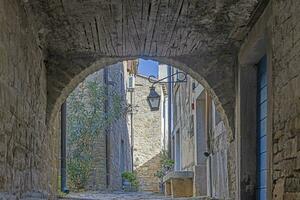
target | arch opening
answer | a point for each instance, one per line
(87, 67)
(98, 65)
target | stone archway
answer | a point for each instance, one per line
(62, 79)
(48, 46)
(65, 73)
(201, 37)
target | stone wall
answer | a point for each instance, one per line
(184, 122)
(147, 137)
(191, 120)
(25, 145)
(286, 99)
(276, 34)
(118, 131)
(97, 177)
(219, 161)
(106, 152)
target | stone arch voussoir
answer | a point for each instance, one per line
(65, 73)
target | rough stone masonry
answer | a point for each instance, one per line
(27, 149)
(147, 137)
(286, 94)
(111, 149)
(47, 47)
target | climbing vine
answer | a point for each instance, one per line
(87, 117)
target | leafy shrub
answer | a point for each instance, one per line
(167, 165)
(86, 119)
(131, 177)
(78, 171)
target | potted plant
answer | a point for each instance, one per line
(129, 181)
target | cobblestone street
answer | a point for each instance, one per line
(117, 196)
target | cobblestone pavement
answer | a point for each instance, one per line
(116, 196)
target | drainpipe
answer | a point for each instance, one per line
(210, 175)
(208, 132)
(63, 165)
(169, 111)
(131, 127)
(107, 140)
(164, 122)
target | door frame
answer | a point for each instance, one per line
(257, 44)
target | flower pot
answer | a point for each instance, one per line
(127, 186)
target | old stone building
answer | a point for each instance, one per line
(197, 129)
(111, 153)
(147, 137)
(119, 140)
(245, 53)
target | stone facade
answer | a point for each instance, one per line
(194, 113)
(111, 153)
(276, 35)
(286, 100)
(147, 137)
(97, 179)
(183, 125)
(119, 136)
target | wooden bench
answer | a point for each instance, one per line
(179, 184)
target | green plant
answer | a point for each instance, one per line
(167, 165)
(86, 119)
(131, 177)
(78, 172)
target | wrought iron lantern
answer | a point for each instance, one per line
(153, 99)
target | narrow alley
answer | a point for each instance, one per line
(150, 99)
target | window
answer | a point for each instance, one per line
(173, 148)
(131, 82)
(177, 151)
(176, 105)
(122, 157)
(191, 127)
